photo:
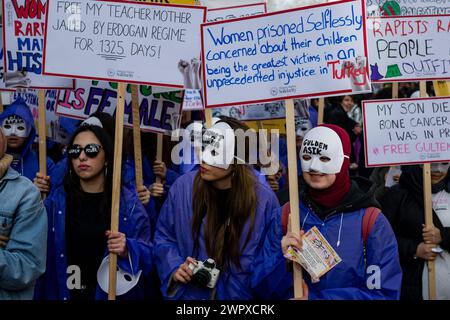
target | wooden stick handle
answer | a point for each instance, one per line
(208, 118)
(293, 189)
(118, 141)
(159, 150)
(1, 103)
(394, 90)
(428, 207)
(321, 111)
(42, 132)
(137, 135)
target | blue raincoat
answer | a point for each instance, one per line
(28, 164)
(133, 222)
(373, 274)
(174, 243)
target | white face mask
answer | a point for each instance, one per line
(302, 126)
(125, 280)
(320, 144)
(440, 167)
(15, 126)
(218, 146)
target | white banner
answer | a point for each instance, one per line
(407, 131)
(159, 112)
(376, 8)
(122, 41)
(220, 14)
(302, 52)
(23, 39)
(409, 48)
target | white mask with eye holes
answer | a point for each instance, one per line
(302, 126)
(14, 126)
(440, 167)
(218, 146)
(322, 151)
(125, 281)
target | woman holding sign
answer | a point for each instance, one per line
(418, 244)
(79, 214)
(212, 223)
(358, 247)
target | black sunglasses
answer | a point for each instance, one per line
(91, 150)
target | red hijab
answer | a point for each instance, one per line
(333, 195)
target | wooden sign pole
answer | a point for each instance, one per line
(159, 150)
(42, 132)
(394, 90)
(1, 103)
(293, 189)
(428, 207)
(137, 136)
(118, 141)
(321, 111)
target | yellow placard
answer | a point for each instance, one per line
(442, 88)
(279, 124)
(191, 2)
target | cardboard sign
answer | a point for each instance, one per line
(406, 131)
(312, 51)
(377, 8)
(264, 111)
(215, 4)
(227, 13)
(23, 34)
(53, 129)
(159, 112)
(409, 48)
(122, 41)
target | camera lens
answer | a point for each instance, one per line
(202, 278)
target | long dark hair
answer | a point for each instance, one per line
(72, 181)
(222, 240)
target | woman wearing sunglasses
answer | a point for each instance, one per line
(212, 223)
(79, 221)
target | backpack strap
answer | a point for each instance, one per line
(370, 216)
(285, 212)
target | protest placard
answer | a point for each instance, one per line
(317, 256)
(406, 131)
(312, 51)
(159, 112)
(53, 128)
(376, 8)
(233, 12)
(23, 34)
(409, 48)
(122, 41)
(2, 79)
(214, 4)
(263, 111)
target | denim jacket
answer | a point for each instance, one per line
(24, 221)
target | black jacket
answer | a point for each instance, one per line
(403, 206)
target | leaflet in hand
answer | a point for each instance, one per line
(317, 257)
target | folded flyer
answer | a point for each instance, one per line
(317, 257)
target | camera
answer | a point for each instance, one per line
(205, 273)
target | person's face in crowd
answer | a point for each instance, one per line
(91, 164)
(234, 113)
(15, 131)
(214, 174)
(318, 180)
(439, 172)
(315, 103)
(347, 103)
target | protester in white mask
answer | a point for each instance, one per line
(344, 211)
(18, 125)
(217, 212)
